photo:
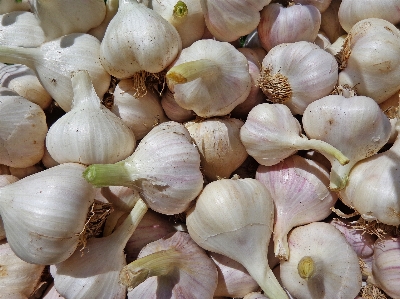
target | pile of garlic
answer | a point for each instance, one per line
(199, 149)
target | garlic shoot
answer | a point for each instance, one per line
(235, 218)
(88, 126)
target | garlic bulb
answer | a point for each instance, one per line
(26, 171)
(29, 33)
(94, 273)
(5, 179)
(370, 59)
(233, 278)
(271, 134)
(310, 74)
(140, 114)
(330, 21)
(290, 24)
(186, 16)
(12, 5)
(111, 11)
(23, 130)
(350, 12)
(173, 110)
(16, 276)
(330, 118)
(322, 5)
(60, 197)
(385, 266)
(167, 180)
(171, 267)
(150, 47)
(218, 142)
(210, 78)
(59, 17)
(329, 270)
(231, 19)
(54, 61)
(235, 218)
(299, 189)
(24, 81)
(88, 126)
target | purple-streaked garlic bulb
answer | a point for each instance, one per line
(271, 133)
(210, 78)
(234, 217)
(356, 126)
(321, 265)
(171, 267)
(228, 20)
(386, 265)
(233, 278)
(290, 24)
(219, 145)
(299, 188)
(310, 74)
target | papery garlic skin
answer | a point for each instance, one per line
(290, 24)
(370, 59)
(5, 179)
(111, 10)
(229, 20)
(173, 110)
(59, 17)
(210, 78)
(218, 142)
(329, 270)
(141, 36)
(61, 198)
(308, 75)
(350, 12)
(89, 133)
(23, 130)
(29, 33)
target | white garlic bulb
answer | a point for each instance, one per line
(141, 36)
(290, 24)
(355, 125)
(88, 126)
(310, 74)
(210, 78)
(327, 270)
(111, 11)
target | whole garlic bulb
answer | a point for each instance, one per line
(88, 126)
(290, 24)
(310, 74)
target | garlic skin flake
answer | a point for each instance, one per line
(141, 36)
(210, 78)
(234, 217)
(299, 188)
(327, 270)
(89, 133)
(60, 197)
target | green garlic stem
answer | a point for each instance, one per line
(104, 175)
(191, 70)
(159, 263)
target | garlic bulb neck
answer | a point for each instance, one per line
(191, 70)
(19, 55)
(103, 175)
(306, 267)
(83, 89)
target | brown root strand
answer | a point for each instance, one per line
(370, 291)
(375, 228)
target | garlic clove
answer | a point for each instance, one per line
(299, 189)
(54, 61)
(61, 198)
(173, 110)
(234, 217)
(327, 270)
(30, 34)
(218, 142)
(140, 114)
(58, 17)
(168, 180)
(171, 267)
(329, 118)
(87, 126)
(210, 78)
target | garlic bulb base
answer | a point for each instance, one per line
(191, 70)
(275, 86)
(104, 175)
(159, 263)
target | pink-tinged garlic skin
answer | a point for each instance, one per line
(173, 111)
(231, 19)
(233, 278)
(362, 243)
(195, 275)
(322, 5)
(299, 189)
(350, 12)
(291, 24)
(386, 266)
